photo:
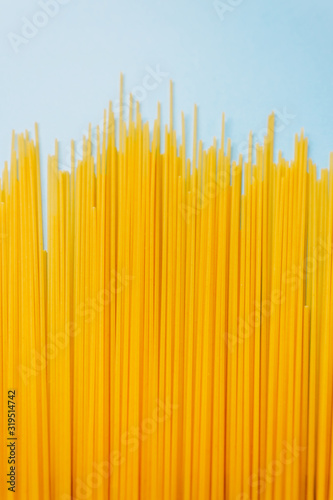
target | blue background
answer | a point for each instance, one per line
(244, 57)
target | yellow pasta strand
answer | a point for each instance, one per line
(174, 339)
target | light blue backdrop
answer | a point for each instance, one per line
(61, 60)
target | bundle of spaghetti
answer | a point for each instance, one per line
(174, 341)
